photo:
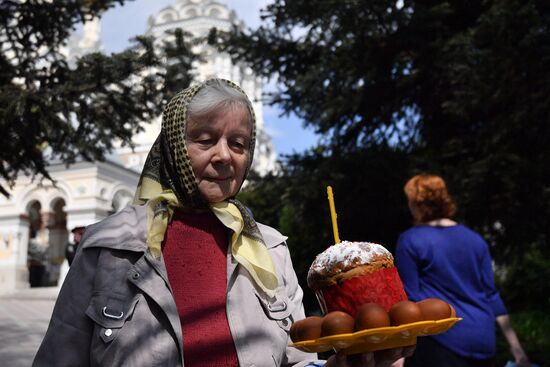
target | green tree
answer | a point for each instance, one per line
(51, 109)
(460, 85)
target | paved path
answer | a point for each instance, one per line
(24, 317)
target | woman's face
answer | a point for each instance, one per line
(218, 147)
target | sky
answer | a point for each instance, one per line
(121, 23)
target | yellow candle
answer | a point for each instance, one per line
(333, 214)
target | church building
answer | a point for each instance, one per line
(36, 221)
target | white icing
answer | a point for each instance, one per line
(348, 253)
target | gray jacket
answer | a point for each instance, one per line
(116, 306)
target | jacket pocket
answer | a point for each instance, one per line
(277, 322)
(278, 310)
(110, 314)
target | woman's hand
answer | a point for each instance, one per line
(382, 358)
(521, 359)
(399, 363)
(512, 338)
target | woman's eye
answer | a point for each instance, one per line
(240, 144)
(205, 141)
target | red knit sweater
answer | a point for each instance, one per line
(195, 253)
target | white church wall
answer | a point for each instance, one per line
(14, 235)
(87, 192)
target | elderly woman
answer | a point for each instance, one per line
(441, 258)
(186, 276)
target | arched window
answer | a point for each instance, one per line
(36, 252)
(34, 211)
(167, 17)
(191, 13)
(59, 220)
(215, 13)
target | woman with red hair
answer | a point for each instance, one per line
(441, 258)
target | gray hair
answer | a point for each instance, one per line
(214, 95)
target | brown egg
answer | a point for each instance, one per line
(337, 322)
(306, 329)
(294, 331)
(434, 309)
(404, 312)
(370, 316)
(310, 328)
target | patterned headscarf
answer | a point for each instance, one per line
(167, 182)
